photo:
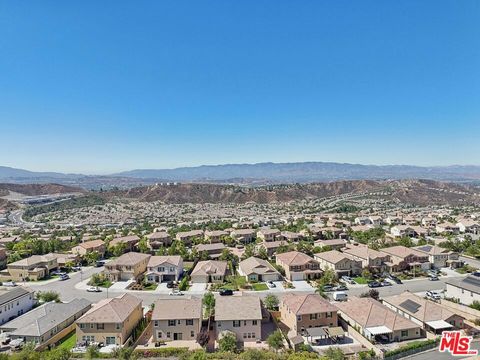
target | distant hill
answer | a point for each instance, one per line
(251, 174)
(306, 172)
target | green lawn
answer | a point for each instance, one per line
(360, 280)
(68, 342)
(259, 286)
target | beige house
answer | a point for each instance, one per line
(110, 321)
(402, 258)
(215, 236)
(177, 319)
(35, 267)
(341, 263)
(209, 271)
(213, 250)
(164, 268)
(370, 258)
(468, 226)
(89, 246)
(241, 315)
(129, 266)
(298, 266)
(244, 236)
(187, 236)
(333, 244)
(440, 257)
(427, 314)
(301, 312)
(255, 269)
(128, 241)
(376, 321)
(158, 239)
(268, 234)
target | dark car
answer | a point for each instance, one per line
(374, 284)
(226, 292)
(99, 263)
(170, 284)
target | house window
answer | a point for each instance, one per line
(189, 322)
(192, 333)
(254, 322)
(299, 317)
(236, 323)
(168, 334)
(244, 335)
(100, 326)
(156, 323)
(171, 322)
(117, 326)
(404, 333)
(328, 314)
(253, 335)
(82, 326)
(313, 316)
(159, 335)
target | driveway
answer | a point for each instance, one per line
(197, 288)
(302, 285)
(120, 285)
(162, 288)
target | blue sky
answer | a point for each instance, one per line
(99, 87)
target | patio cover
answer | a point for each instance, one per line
(378, 330)
(335, 331)
(439, 324)
(317, 332)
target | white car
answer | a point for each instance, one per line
(175, 293)
(10, 284)
(94, 289)
(433, 295)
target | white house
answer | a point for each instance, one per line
(15, 302)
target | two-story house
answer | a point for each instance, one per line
(129, 266)
(164, 268)
(298, 266)
(35, 267)
(241, 315)
(15, 302)
(301, 312)
(244, 236)
(440, 257)
(215, 236)
(403, 258)
(129, 242)
(177, 319)
(372, 259)
(110, 321)
(90, 246)
(268, 234)
(341, 263)
(209, 271)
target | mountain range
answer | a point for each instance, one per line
(261, 173)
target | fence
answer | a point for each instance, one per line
(411, 352)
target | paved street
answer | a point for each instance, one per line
(437, 355)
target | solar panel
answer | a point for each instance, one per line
(410, 306)
(472, 280)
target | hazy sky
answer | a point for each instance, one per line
(102, 86)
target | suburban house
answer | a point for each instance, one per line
(268, 234)
(213, 250)
(90, 246)
(241, 315)
(187, 236)
(301, 312)
(466, 290)
(128, 241)
(332, 244)
(15, 302)
(393, 220)
(164, 268)
(290, 236)
(215, 236)
(209, 271)
(372, 259)
(440, 257)
(110, 321)
(66, 260)
(47, 323)
(341, 263)
(469, 226)
(377, 322)
(298, 266)
(158, 239)
(427, 314)
(376, 220)
(255, 269)
(177, 319)
(129, 266)
(403, 258)
(272, 246)
(402, 231)
(35, 267)
(447, 228)
(244, 236)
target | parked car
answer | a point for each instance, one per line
(341, 287)
(386, 283)
(170, 284)
(76, 268)
(394, 278)
(348, 279)
(10, 284)
(374, 284)
(64, 277)
(328, 287)
(175, 293)
(94, 289)
(433, 278)
(226, 292)
(271, 284)
(99, 263)
(340, 296)
(433, 295)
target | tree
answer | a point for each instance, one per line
(47, 296)
(228, 343)
(328, 277)
(209, 303)
(124, 353)
(275, 340)
(271, 302)
(143, 246)
(366, 274)
(319, 290)
(374, 294)
(334, 353)
(58, 354)
(91, 257)
(202, 338)
(118, 249)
